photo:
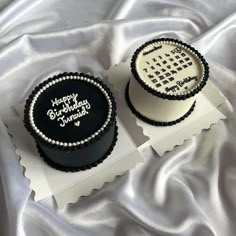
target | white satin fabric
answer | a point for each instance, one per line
(191, 190)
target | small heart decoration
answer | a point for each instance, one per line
(77, 123)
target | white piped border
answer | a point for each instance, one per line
(68, 77)
(187, 50)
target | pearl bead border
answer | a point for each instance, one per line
(58, 80)
(187, 49)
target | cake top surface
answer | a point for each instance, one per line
(69, 110)
(169, 67)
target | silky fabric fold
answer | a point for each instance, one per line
(190, 191)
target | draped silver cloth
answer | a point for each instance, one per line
(189, 191)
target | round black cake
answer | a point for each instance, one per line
(71, 116)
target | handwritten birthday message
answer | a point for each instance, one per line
(68, 109)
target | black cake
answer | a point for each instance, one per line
(71, 116)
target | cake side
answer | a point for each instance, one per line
(155, 108)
